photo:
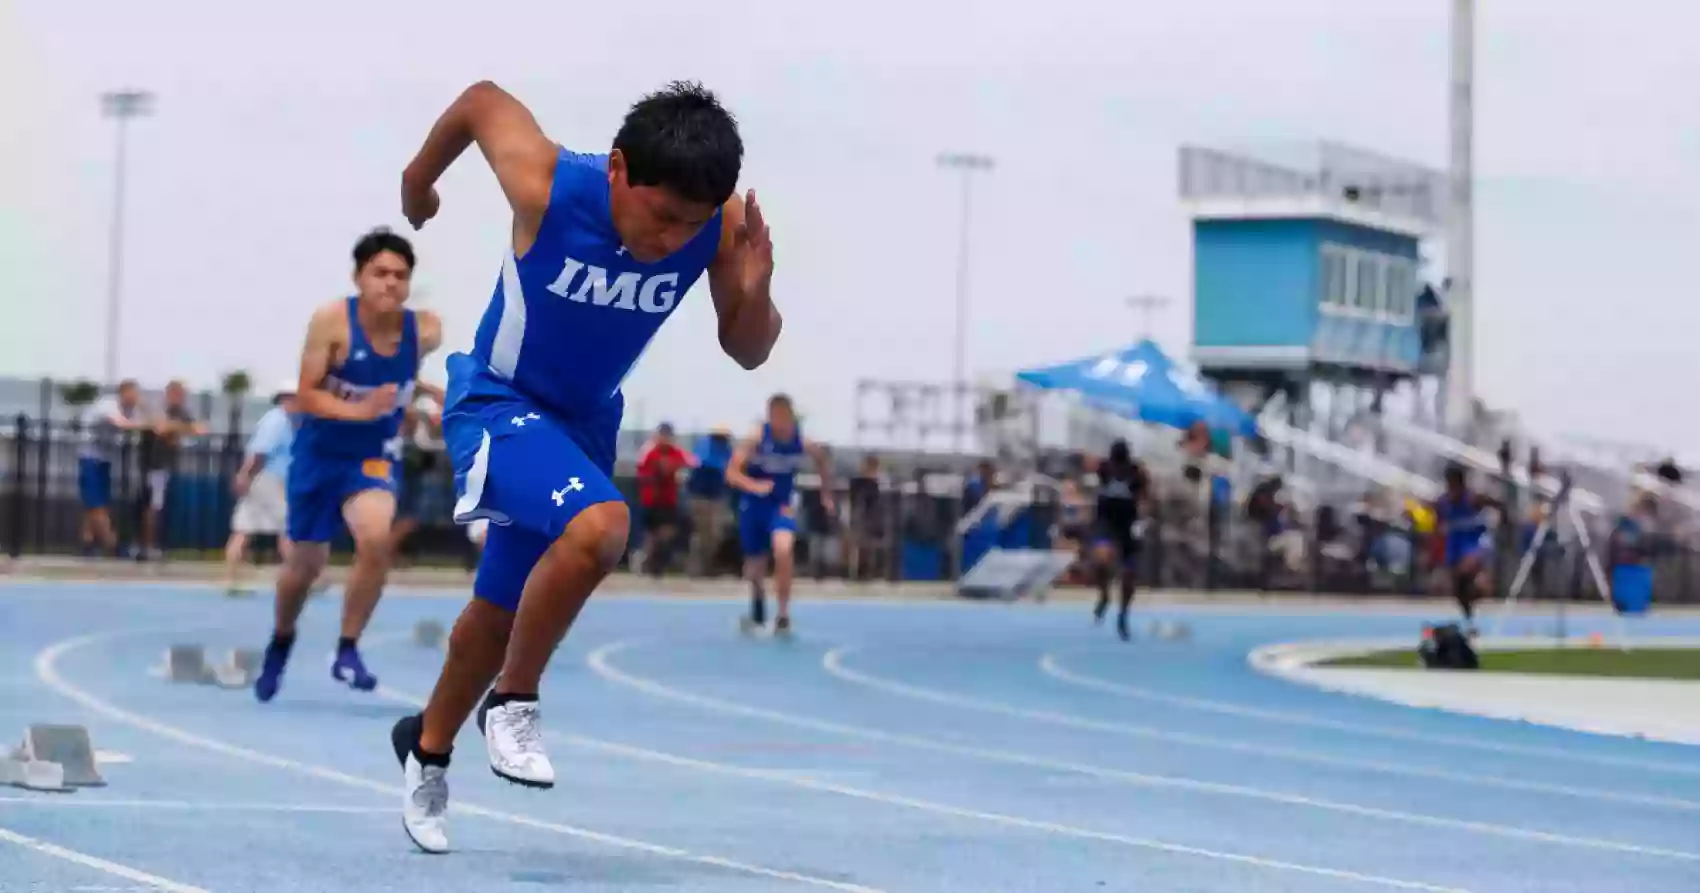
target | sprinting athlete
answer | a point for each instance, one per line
(603, 249)
(357, 373)
(1461, 517)
(1123, 487)
(763, 470)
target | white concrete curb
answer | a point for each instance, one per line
(1655, 709)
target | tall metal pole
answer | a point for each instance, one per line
(1460, 243)
(968, 164)
(122, 106)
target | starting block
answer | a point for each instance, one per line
(33, 775)
(52, 758)
(428, 634)
(239, 669)
(188, 664)
(1169, 631)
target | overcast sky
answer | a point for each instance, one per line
(281, 132)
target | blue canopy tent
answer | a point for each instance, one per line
(1141, 382)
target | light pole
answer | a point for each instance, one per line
(1460, 243)
(122, 106)
(968, 164)
(1146, 306)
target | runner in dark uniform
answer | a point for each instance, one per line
(1123, 487)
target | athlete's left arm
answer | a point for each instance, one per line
(430, 333)
(740, 280)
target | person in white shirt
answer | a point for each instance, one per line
(260, 486)
(104, 425)
(420, 448)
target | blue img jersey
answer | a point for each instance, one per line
(777, 461)
(1464, 526)
(362, 371)
(569, 320)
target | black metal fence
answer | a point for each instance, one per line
(1196, 539)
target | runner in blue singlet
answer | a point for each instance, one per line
(604, 247)
(357, 372)
(764, 472)
(1462, 522)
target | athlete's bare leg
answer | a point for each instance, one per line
(369, 516)
(478, 645)
(302, 565)
(755, 573)
(586, 552)
(784, 542)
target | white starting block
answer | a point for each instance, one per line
(52, 758)
(33, 775)
(1169, 631)
(428, 634)
(239, 669)
(188, 664)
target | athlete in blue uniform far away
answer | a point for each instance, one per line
(1462, 520)
(764, 470)
(357, 372)
(604, 246)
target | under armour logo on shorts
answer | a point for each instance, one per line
(520, 420)
(560, 496)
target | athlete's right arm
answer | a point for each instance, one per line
(735, 476)
(519, 153)
(325, 330)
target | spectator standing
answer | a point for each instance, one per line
(868, 527)
(710, 501)
(978, 485)
(422, 458)
(104, 425)
(659, 466)
(162, 443)
(260, 486)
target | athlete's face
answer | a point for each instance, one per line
(384, 281)
(781, 420)
(652, 221)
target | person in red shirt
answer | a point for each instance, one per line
(659, 465)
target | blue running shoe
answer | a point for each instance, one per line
(350, 669)
(271, 668)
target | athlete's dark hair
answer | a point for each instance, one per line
(681, 139)
(780, 401)
(379, 241)
(1120, 453)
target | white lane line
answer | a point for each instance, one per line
(62, 802)
(993, 817)
(600, 664)
(1053, 667)
(46, 670)
(154, 881)
(800, 780)
(833, 663)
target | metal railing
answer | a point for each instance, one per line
(906, 530)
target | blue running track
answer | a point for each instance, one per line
(889, 747)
